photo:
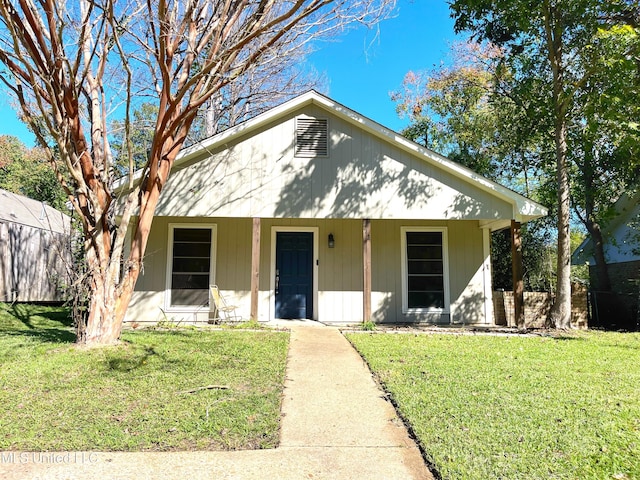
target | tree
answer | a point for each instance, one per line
(545, 42)
(25, 171)
(464, 109)
(68, 65)
(281, 76)
(137, 144)
(266, 84)
(605, 139)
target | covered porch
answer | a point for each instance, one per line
(345, 271)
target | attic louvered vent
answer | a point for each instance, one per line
(312, 137)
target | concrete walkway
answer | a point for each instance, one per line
(336, 425)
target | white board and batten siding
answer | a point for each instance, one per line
(267, 169)
(362, 177)
(339, 270)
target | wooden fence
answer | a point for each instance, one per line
(35, 264)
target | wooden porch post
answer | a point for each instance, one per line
(366, 269)
(516, 269)
(255, 268)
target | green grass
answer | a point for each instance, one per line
(57, 396)
(489, 407)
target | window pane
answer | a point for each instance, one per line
(202, 235)
(425, 267)
(426, 300)
(424, 238)
(425, 283)
(191, 264)
(183, 249)
(188, 297)
(188, 280)
(425, 270)
(424, 252)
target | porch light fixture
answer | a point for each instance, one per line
(332, 241)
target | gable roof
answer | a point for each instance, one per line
(524, 209)
(23, 210)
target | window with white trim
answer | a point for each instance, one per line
(312, 137)
(190, 265)
(424, 269)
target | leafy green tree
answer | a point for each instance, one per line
(604, 136)
(450, 109)
(138, 143)
(548, 45)
(25, 171)
(458, 110)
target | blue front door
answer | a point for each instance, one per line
(294, 275)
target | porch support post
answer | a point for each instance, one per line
(366, 269)
(255, 268)
(516, 269)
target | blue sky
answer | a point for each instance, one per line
(361, 67)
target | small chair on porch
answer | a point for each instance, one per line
(222, 311)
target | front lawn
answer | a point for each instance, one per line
(145, 394)
(490, 407)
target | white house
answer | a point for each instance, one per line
(311, 210)
(621, 235)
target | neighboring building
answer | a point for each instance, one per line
(618, 309)
(35, 250)
(329, 216)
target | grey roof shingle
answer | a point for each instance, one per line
(33, 213)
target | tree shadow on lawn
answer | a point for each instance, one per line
(22, 313)
(567, 338)
(126, 361)
(61, 316)
(45, 335)
(53, 325)
(559, 335)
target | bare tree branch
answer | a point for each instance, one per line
(70, 66)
